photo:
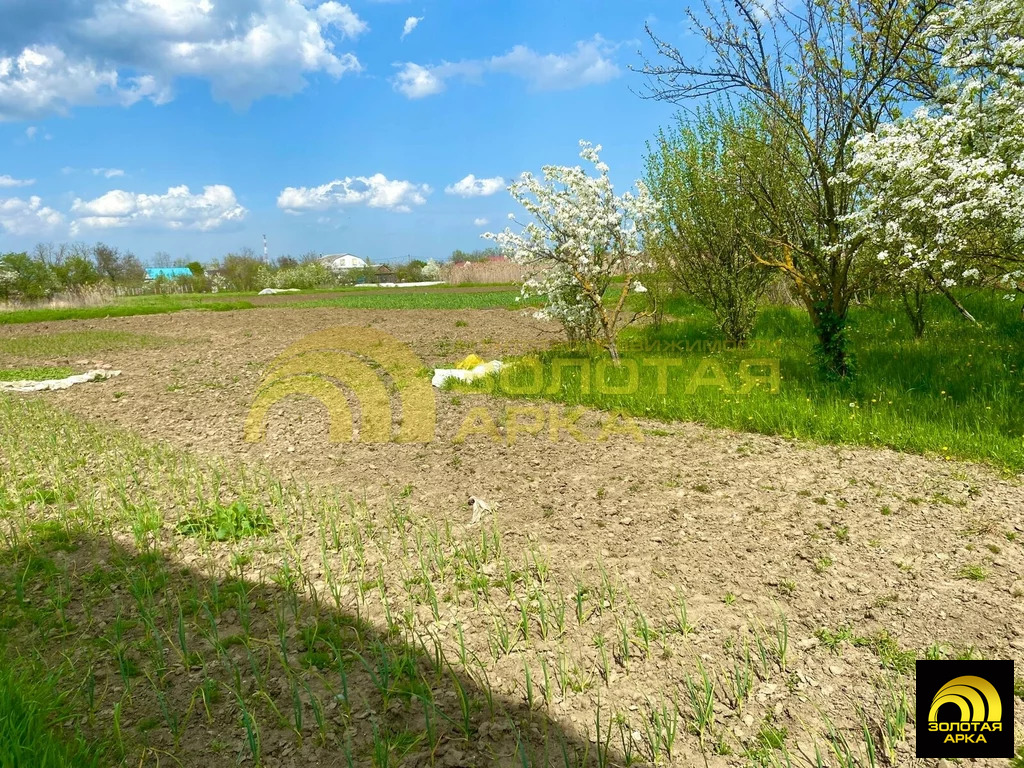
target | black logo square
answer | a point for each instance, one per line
(965, 709)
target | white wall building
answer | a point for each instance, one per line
(342, 261)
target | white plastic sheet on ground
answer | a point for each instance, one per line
(273, 291)
(48, 384)
(441, 375)
(421, 284)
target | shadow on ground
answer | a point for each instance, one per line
(166, 665)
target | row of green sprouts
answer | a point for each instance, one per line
(192, 607)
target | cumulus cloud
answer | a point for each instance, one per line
(480, 222)
(10, 181)
(471, 186)
(410, 25)
(43, 79)
(343, 17)
(589, 63)
(375, 191)
(107, 173)
(179, 208)
(93, 52)
(28, 217)
(416, 82)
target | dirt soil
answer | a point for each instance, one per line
(744, 525)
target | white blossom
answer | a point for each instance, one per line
(579, 235)
(946, 185)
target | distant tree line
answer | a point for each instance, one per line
(77, 268)
(67, 268)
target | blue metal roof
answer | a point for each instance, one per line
(152, 273)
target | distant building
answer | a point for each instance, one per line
(339, 262)
(168, 273)
(384, 274)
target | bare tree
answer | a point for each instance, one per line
(821, 72)
(119, 267)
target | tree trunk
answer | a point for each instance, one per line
(913, 303)
(833, 340)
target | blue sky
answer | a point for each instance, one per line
(316, 123)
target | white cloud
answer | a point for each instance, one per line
(28, 217)
(416, 81)
(590, 63)
(121, 51)
(471, 186)
(31, 132)
(10, 181)
(178, 209)
(480, 222)
(343, 17)
(410, 25)
(43, 80)
(375, 191)
(107, 173)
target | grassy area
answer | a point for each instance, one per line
(310, 627)
(77, 344)
(34, 373)
(957, 392)
(350, 297)
(412, 298)
(31, 713)
(126, 307)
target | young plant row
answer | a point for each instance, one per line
(195, 607)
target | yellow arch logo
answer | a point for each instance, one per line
(976, 697)
(365, 364)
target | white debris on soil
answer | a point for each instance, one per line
(49, 384)
(420, 284)
(272, 291)
(441, 375)
(479, 508)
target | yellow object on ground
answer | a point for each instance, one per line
(470, 363)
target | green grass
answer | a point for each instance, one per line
(31, 711)
(125, 307)
(956, 393)
(34, 373)
(972, 572)
(440, 297)
(412, 298)
(78, 344)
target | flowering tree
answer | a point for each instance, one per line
(820, 72)
(431, 270)
(581, 236)
(945, 187)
